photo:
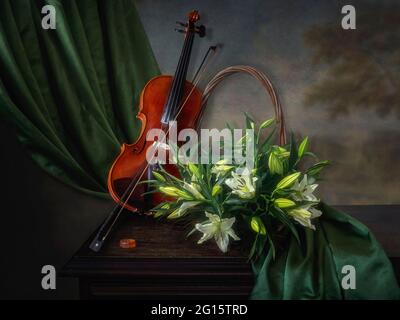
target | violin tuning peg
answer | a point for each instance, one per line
(201, 30)
(182, 24)
(180, 30)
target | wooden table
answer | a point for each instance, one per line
(165, 265)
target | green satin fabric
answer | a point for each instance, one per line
(315, 271)
(73, 92)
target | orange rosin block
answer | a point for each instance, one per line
(127, 243)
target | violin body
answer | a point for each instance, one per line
(132, 158)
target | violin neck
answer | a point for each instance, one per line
(175, 94)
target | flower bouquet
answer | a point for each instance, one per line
(273, 195)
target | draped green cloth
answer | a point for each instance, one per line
(314, 269)
(73, 92)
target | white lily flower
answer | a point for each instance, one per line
(194, 189)
(220, 229)
(183, 209)
(242, 184)
(303, 190)
(304, 215)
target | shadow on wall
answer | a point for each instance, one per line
(43, 222)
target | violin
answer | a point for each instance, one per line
(164, 98)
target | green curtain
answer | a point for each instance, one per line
(314, 270)
(73, 92)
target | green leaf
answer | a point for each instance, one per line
(275, 164)
(254, 247)
(229, 126)
(174, 215)
(234, 202)
(258, 226)
(283, 218)
(308, 153)
(261, 245)
(241, 210)
(242, 140)
(249, 121)
(284, 203)
(266, 144)
(288, 181)
(172, 177)
(267, 123)
(194, 170)
(159, 214)
(258, 246)
(293, 152)
(303, 147)
(272, 247)
(158, 176)
(316, 168)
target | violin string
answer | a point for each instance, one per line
(179, 83)
(148, 162)
(174, 88)
(182, 74)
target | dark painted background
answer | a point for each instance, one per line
(338, 87)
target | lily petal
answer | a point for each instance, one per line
(315, 213)
(227, 224)
(222, 241)
(233, 234)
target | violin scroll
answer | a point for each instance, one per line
(193, 16)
